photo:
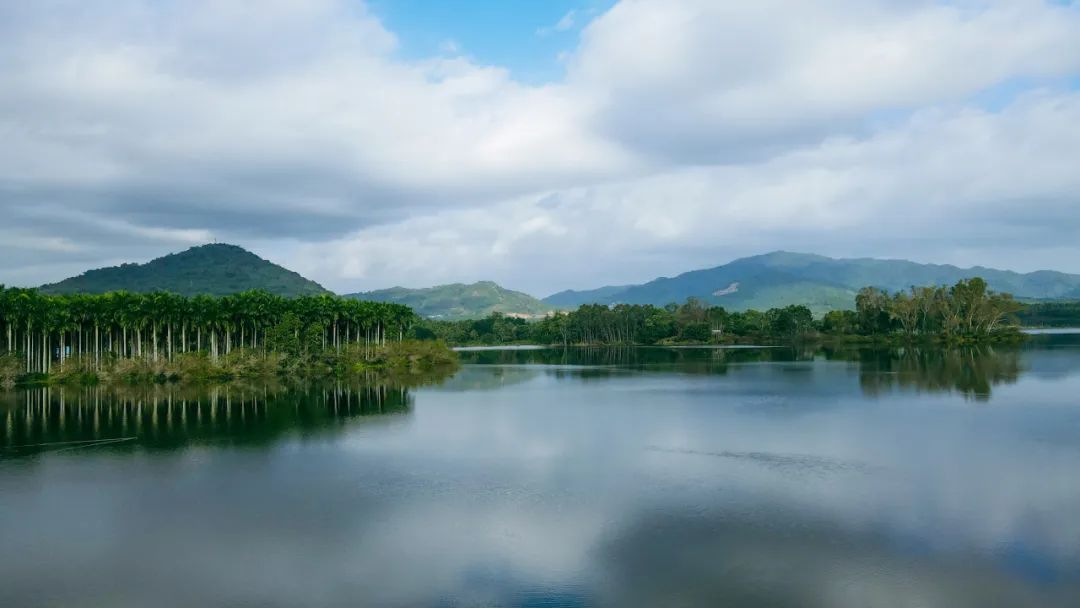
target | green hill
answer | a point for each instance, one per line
(572, 299)
(460, 301)
(781, 278)
(217, 270)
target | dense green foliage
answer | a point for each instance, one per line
(459, 301)
(781, 279)
(162, 334)
(215, 270)
(966, 311)
(1051, 314)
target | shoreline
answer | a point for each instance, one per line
(395, 360)
(1018, 337)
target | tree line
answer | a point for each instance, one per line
(967, 310)
(1051, 314)
(45, 331)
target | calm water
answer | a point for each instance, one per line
(632, 477)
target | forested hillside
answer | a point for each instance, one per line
(215, 270)
(460, 301)
(781, 279)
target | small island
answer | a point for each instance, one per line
(164, 337)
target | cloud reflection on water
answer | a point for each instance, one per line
(726, 480)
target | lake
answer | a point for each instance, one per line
(548, 477)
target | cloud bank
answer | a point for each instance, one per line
(684, 133)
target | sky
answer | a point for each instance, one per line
(544, 145)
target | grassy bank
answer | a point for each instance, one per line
(396, 359)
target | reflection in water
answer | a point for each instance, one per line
(488, 378)
(163, 417)
(799, 463)
(683, 360)
(786, 559)
(971, 371)
(657, 477)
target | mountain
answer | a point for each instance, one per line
(781, 278)
(572, 299)
(216, 269)
(460, 301)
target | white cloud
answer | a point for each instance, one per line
(450, 47)
(722, 80)
(565, 23)
(963, 186)
(686, 132)
(304, 111)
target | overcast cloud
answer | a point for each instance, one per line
(684, 133)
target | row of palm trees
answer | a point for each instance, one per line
(47, 330)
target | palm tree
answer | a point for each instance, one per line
(49, 329)
(6, 305)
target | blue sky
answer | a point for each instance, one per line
(518, 35)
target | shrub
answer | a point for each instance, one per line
(11, 368)
(413, 355)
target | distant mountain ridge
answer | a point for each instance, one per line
(764, 281)
(781, 278)
(571, 298)
(461, 301)
(216, 269)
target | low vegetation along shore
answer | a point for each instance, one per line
(159, 337)
(967, 312)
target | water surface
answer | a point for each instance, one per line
(589, 477)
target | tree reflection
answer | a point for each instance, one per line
(164, 417)
(970, 371)
(692, 360)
